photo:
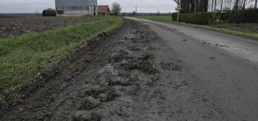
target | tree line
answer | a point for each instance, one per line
(191, 6)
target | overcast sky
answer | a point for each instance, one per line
(30, 6)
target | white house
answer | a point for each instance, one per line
(76, 7)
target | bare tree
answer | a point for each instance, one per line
(229, 4)
(245, 3)
(242, 4)
(212, 6)
(116, 9)
(215, 8)
(190, 6)
(221, 4)
(178, 2)
(236, 4)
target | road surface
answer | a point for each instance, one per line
(226, 64)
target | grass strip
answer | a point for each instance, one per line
(21, 57)
(168, 19)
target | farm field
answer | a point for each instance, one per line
(249, 30)
(157, 18)
(28, 55)
(19, 26)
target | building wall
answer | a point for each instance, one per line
(67, 3)
(75, 13)
(76, 7)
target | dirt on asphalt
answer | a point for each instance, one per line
(130, 75)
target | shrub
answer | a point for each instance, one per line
(174, 16)
(224, 17)
(229, 16)
(233, 16)
(49, 13)
(241, 16)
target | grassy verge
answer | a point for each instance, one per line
(22, 56)
(168, 19)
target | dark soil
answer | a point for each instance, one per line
(240, 27)
(19, 26)
(5, 16)
(132, 75)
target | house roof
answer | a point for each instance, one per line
(103, 8)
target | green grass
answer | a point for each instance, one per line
(157, 18)
(21, 57)
(168, 19)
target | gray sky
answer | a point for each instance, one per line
(30, 6)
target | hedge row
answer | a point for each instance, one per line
(240, 16)
(232, 16)
(195, 18)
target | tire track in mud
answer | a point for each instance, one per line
(132, 75)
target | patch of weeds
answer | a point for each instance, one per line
(3, 50)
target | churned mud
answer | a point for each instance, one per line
(131, 75)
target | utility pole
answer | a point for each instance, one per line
(136, 10)
(178, 8)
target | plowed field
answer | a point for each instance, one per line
(19, 26)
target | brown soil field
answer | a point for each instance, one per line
(19, 26)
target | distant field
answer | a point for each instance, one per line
(19, 15)
(157, 18)
(249, 30)
(19, 26)
(21, 57)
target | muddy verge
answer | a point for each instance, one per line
(252, 27)
(132, 75)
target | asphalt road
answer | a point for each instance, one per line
(225, 65)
